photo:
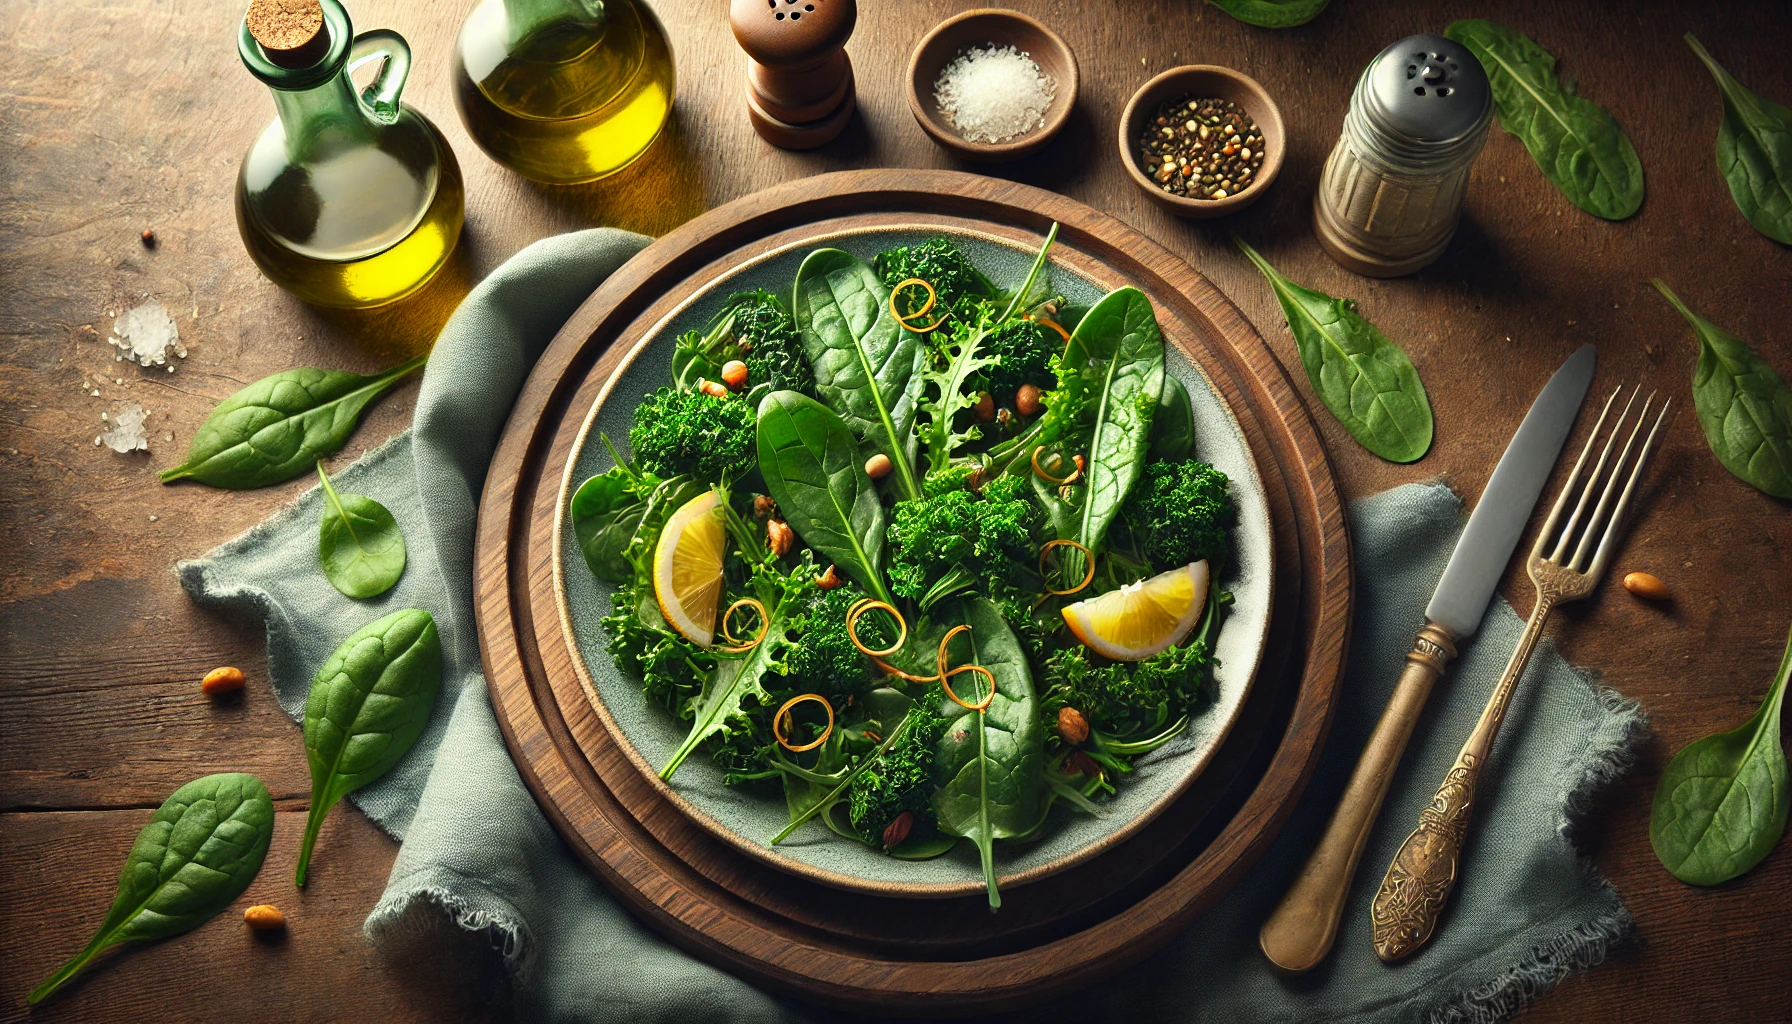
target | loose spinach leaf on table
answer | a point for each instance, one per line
(368, 704)
(1118, 339)
(1173, 428)
(1366, 380)
(358, 542)
(1754, 152)
(866, 365)
(811, 466)
(1272, 13)
(279, 426)
(1722, 803)
(198, 853)
(1576, 142)
(1745, 408)
(988, 766)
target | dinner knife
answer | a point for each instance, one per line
(1300, 932)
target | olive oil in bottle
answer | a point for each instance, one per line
(563, 91)
(344, 200)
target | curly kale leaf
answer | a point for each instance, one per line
(824, 659)
(1180, 512)
(1023, 350)
(1127, 700)
(770, 345)
(756, 328)
(688, 432)
(941, 263)
(899, 780)
(944, 544)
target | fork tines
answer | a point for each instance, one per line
(1597, 531)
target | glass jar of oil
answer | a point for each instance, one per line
(346, 199)
(563, 91)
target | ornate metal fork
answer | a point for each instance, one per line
(1419, 881)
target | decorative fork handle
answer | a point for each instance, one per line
(1419, 880)
(1301, 930)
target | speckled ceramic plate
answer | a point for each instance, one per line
(747, 821)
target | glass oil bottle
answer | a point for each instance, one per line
(348, 200)
(563, 91)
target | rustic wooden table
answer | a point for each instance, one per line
(121, 117)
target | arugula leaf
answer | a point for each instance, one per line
(1745, 408)
(279, 426)
(1272, 13)
(1576, 142)
(1721, 805)
(812, 470)
(358, 542)
(1754, 152)
(1119, 340)
(964, 358)
(1363, 378)
(198, 853)
(721, 709)
(368, 704)
(989, 765)
(865, 362)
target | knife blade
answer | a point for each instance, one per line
(1466, 588)
(1300, 931)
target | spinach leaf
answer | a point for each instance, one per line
(359, 543)
(721, 709)
(1745, 408)
(368, 704)
(1576, 142)
(989, 765)
(1754, 152)
(1722, 803)
(606, 511)
(812, 470)
(1119, 342)
(1173, 428)
(198, 853)
(865, 363)
(277, 427)
(1272, 13)
(1362, 377)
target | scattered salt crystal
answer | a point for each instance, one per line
(145, 333)
(992, 94)
(96, 393)
(126, 434)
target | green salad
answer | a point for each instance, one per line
(918, 555)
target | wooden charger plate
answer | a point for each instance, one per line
(888, 954)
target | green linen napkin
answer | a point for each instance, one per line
(481, 866)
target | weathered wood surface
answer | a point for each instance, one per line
(114, 118)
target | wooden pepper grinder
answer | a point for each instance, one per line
(799, 79)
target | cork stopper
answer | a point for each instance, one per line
(290, 32)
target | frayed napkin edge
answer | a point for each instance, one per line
(1615, 732)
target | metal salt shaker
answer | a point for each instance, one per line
(1392, 189)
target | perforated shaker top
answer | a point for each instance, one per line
(1429, 88)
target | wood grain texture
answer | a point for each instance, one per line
(869, 952)
(115, 118)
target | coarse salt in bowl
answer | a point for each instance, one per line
(991, 85)
(994, 93)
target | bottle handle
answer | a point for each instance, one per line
(380, 98)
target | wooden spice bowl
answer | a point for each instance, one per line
(989, 27)
(1203, 80)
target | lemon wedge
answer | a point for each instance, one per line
(687, 568)
(1143, 618)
